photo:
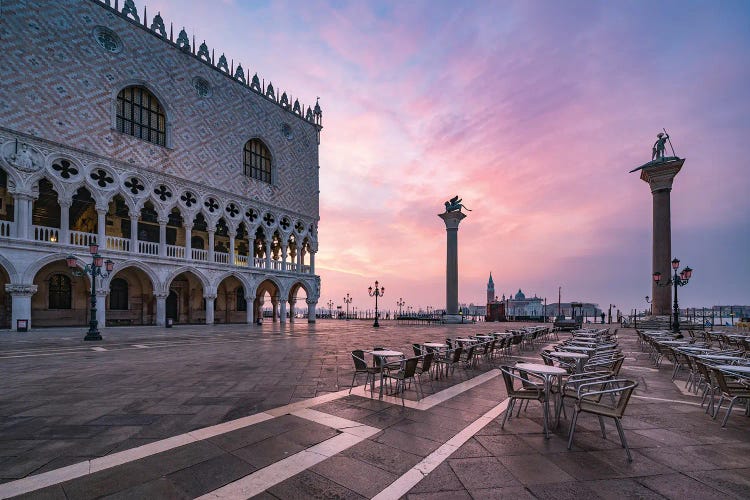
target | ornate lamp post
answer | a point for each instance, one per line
(347, 301)
(609, 314)
(680, 279)
(378, 292)
(330, 308)
(94, 269)
(400, 303)
(648, 301)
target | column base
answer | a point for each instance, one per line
(453, 319)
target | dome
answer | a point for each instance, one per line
(520, 295)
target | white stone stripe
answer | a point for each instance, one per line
(140, 346)
(261, 480)
(100, 349)
(667, 400)
(406, 482)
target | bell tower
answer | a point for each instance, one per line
(490, 290)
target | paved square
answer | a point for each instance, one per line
(225, 410)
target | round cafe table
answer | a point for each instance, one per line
(579, 357)
(547, 373)
(435, 345)
(383, 355)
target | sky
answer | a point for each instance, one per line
(533, 112)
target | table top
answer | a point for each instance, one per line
(720, 357)
(733, 368)
(462, 339)
(576, 348)
(434, 344)
(386, 353)
(675, 342)
(541, 369)
(568, 354)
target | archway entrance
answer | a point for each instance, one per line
(172, 310)
(190, 305)
(297, 302)
(62, 299)
(266, 304)
(131, 298)
(231, 306)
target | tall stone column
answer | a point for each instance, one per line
(134, 233)
(20, 303)
(659, 178)
(282, 311)
(452, 220)
(64, 221)
(101, 307)
(101, 225)
(250, 301)
(188, 242)
(162, 236)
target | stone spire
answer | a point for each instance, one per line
(490, 290)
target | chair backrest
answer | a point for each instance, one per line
(511, 379)
(417, 349)
(358, 355)
(449, 343)
(721, 381)
(427, 361)
(457, 354)
(410, 367)
(626, 391)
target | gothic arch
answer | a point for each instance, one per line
(240, 277)
(10, 269)
(32, 269)
(185, 269)
(119, 266)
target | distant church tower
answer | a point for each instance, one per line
(490, 290)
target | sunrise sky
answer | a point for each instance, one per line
(533, 112)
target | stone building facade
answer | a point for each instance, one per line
(197, 179)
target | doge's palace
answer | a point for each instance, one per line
(197, 178)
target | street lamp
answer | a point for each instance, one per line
(648, 301)
(94, 269)
(680, 279)
(400, 303)
(347, 301)
(609, 314)
(330, 308)
(378, 292)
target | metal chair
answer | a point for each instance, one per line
(361, 366)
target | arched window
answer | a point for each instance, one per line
(257, 160)
(118, 295)
(140, 114)
(241, 302)
(59, 292)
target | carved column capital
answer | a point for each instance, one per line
(20, 290)
(161, 295)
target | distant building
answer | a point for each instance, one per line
(522, 307)
(495, 310)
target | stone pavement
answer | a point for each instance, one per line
(235, 411)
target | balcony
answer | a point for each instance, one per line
(116, 245)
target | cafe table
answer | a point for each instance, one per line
(384, 355)
(547, 373)
(579, 357)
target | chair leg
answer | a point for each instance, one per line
(718, 407)
(508, 411)
(573, 427)
(601, 425)
(622, 439)
(352, 384)
(729, 410)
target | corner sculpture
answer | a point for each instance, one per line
(657, 152)
(455, 205)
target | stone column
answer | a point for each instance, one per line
(311, 310)
(452, 220)
(282, 311)
(231, 247)
(101, 307)
(101, 228)
(134, 233)
(211, 232)
(284, 255)
(210, 298)
(23, 217)
(299, 259)
(161, 308)
(291, 310)
(268, 253)
(188, 241)
(250, 301)
(312, 262)
(659, 178)
(64, 221)
(275, 306)
(20, 303)
(162, 237)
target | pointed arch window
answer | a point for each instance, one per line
(118, 295)
(59, 292)
(140, 114)
(257, 160)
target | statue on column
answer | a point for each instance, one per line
(455, 205)
(657, 151)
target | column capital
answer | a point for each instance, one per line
(452, 219)
(660, 176)
(161, 295)
(101, 292)
(20, 290)
(311, 302)
(162, 221)
(209, 296)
